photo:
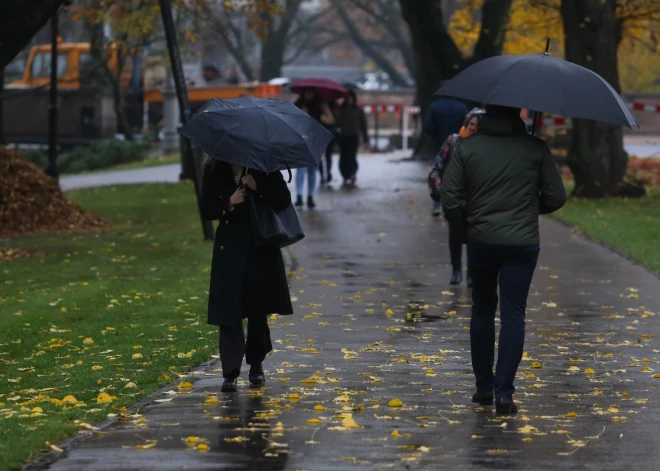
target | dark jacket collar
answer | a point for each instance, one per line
(500, 125)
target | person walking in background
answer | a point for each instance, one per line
(470, 126)
(310, 102)
(326, 177)
(247, 282)
(497, 184)
(352, 124)
(444, 117)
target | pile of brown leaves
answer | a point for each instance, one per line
(31, 201)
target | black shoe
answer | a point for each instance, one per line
(299, 202)
(257, 376)
(310, 202)
(505, 406)
(229, 385)
(469, 282)
(483, 399)
(456, 278)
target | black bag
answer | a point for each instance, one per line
(276, 229)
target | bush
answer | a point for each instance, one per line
(98, 155)
(102, 154)
(36, 156)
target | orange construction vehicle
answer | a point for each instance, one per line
(86, 109)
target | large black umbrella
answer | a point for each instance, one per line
(542, 83)
(266, 135)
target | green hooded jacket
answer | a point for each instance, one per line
(498, 182)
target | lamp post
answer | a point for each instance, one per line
(184, 108)
(52, 107)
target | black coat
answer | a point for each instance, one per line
(246, 280)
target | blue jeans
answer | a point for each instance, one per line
(514, 267)
(311, 180)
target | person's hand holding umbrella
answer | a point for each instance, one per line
(248, 180)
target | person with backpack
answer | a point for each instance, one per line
(470, 126)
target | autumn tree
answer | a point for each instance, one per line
(437, 56)
(378, 30)
(594, 31)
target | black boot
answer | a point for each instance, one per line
(257, 376)
(299, 202)
(456, 278)
(505, 406)
(229, 385)
(310, 202)
(483, 399)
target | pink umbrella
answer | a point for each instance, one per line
(326, 88)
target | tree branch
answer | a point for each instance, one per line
(369, 50)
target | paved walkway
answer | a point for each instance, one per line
(376, 321)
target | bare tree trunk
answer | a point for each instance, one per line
(436, 55)
(596, 156)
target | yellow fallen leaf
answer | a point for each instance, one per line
(55, 448)
(97, 367)
(294, 397)
(104, 398)
(396, 434)
(88, 341)
(571, 414)
(136, 356)
(203, 447)
(192, 440)
(349, 422)
(69, 400)
(236, 439)
(536, 364)
(211, 400)
(574, 369)
(313, 421)
(147, 446)
(656, 376)
(185, 385)
(130, 385)
(319, 407)
(527, 429)
(589, 371)
(395, 403)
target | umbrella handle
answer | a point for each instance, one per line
(290, 174)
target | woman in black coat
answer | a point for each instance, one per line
(247, 282)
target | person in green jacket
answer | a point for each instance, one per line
(498, 182)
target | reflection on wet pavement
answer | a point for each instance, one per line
(374, 371)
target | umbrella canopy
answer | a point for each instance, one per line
(266, 135)
(540, 82)
(326, 88)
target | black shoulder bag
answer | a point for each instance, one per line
(276, 229)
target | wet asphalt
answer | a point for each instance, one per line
(376, 320)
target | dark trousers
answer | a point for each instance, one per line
(348, 149)
(514, 266)
(233, 346)
(328, 162)
(456, 250)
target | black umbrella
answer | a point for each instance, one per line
(266, 135)
(542, 83)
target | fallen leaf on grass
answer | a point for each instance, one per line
(104, 398)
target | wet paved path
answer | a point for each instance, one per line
(376, 321)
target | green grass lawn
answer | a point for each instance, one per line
(122, 312)
(629, 225)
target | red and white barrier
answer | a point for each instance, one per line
(648, 107)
